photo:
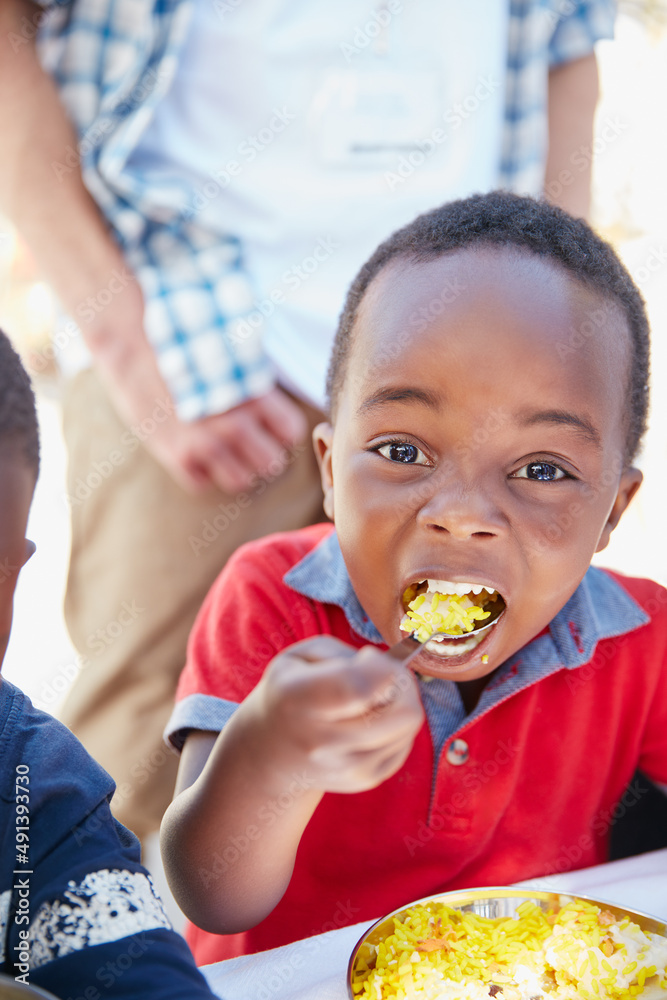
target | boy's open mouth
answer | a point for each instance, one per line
(462, 610)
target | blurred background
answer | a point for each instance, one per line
(629, 155)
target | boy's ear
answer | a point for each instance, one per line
(323, 441)
(631, 480)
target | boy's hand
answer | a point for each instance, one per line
(341, 718)
(348, 717)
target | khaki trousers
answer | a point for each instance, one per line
(144, 554)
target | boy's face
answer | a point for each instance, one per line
(17, 484)
(479, 438)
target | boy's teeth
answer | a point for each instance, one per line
(454, 648)
(460, 589)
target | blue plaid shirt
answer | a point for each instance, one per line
(114, 60)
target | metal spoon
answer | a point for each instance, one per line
(405, 649)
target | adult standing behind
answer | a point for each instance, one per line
(237, 161)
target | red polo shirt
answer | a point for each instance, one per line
(545, 768)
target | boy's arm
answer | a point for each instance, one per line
(320, 719)
(72, 244)
(573, 96)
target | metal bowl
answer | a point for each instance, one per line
(490, 902)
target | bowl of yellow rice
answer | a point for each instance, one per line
(510, 944)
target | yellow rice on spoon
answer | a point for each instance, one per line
(451, 613)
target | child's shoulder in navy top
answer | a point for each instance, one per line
(77, 909)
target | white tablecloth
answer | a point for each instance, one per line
(315, 969)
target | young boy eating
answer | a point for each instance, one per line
(488, 393)
(79, 916)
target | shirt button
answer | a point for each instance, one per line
(457, 752)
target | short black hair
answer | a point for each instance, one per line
(18, 415)
(509, 220)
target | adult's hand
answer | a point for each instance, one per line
(226, 450)
(230, 450)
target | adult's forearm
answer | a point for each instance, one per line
(42, 192)
(573, 96)
(49, 205)
(229, 841)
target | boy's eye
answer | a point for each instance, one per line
(401, 451)
(541, 471)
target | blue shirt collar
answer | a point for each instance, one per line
(322, 576)
(599, 608)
